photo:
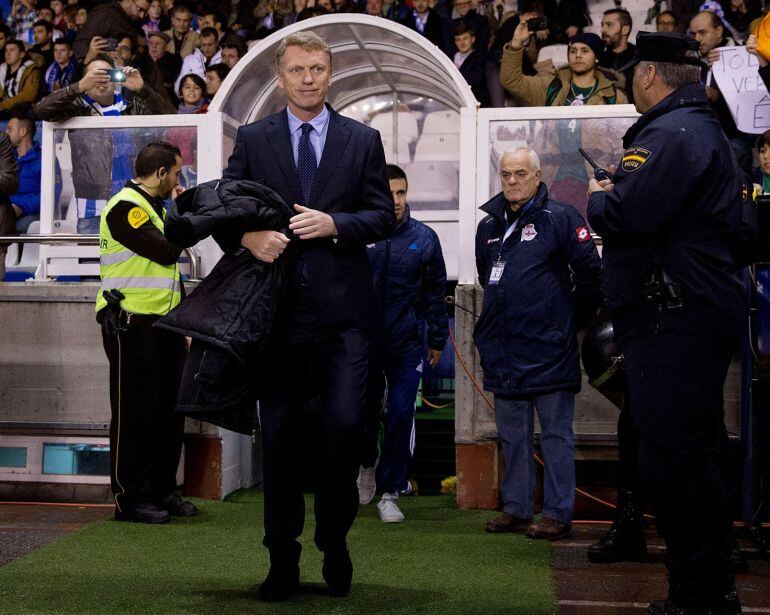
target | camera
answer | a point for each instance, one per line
(112, 44)
(537, 23)
(117, 75)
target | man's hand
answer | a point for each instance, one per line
(312, 224)
(434, 356)
(751, 47)
(521, 34)
(176, 191)
(134, 81)
(97, 45)
(713, 56)
(91, 80)
(712, 94)
(17, 210)
(266, 246)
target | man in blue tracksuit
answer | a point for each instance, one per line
(410, 282)
(540, 271)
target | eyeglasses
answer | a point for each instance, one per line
(140, 9)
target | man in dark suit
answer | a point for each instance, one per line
(333, 170)
(427, 22)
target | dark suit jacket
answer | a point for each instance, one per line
(350, 185)
(434, 27)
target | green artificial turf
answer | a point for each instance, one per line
(439, 561)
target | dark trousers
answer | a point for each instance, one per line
(629, 482)
(393, 387)
(145, 432)
(331, 366)
(675, 388)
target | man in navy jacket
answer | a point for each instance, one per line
(410, 282)
(540, 271)
(332, 170)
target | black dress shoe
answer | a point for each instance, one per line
(738, 560)
(143, 513)
(280, 584)
(177, 507)
(622, 543)
(282, 580)
(337, 571)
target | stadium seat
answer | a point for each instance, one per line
(437, 147)
(441, 122)
(402, 154)
(407, 125)
(433, 185)
(556, 53)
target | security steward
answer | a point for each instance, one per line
(140, 283)
(672, 224)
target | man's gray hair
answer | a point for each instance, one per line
(307, 39)
(675, 76)
(534, 159)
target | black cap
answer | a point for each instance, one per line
(669, 47)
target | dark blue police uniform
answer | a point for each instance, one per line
(673, 223)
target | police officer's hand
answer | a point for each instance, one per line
(312, 224)
(134, 81)
(521, 34)
(605, 185)
(266, 246)
(752, 48)
(434, 356)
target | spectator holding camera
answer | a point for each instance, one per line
(113, 20)
(101, 165)
(581, 83)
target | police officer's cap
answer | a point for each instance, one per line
(669, 47)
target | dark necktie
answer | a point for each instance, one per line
(306, 163)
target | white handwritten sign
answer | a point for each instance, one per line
(747, 98)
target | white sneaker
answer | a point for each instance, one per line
(388, 508)
(366, 484)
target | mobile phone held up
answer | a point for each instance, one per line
(537, 24)
(112, 44)
(117, 75)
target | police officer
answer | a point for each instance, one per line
(671, 221)
(140, 283)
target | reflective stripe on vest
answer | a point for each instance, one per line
(148, 287)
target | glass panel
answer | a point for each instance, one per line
(13, 457)
(423, 138)
(76, 459)
(92, 164)
(565, 172)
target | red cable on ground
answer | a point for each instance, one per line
(65, 504)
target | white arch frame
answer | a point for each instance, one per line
(256, 54)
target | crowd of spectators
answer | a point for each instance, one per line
(177, 54)
(46, 44)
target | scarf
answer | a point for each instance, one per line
(191, 109)
(57, 73)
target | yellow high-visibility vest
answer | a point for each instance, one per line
(149, 287)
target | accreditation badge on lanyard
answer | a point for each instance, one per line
(497, 272)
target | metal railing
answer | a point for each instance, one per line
(68, 238)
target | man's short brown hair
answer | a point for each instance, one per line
(308, 40)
